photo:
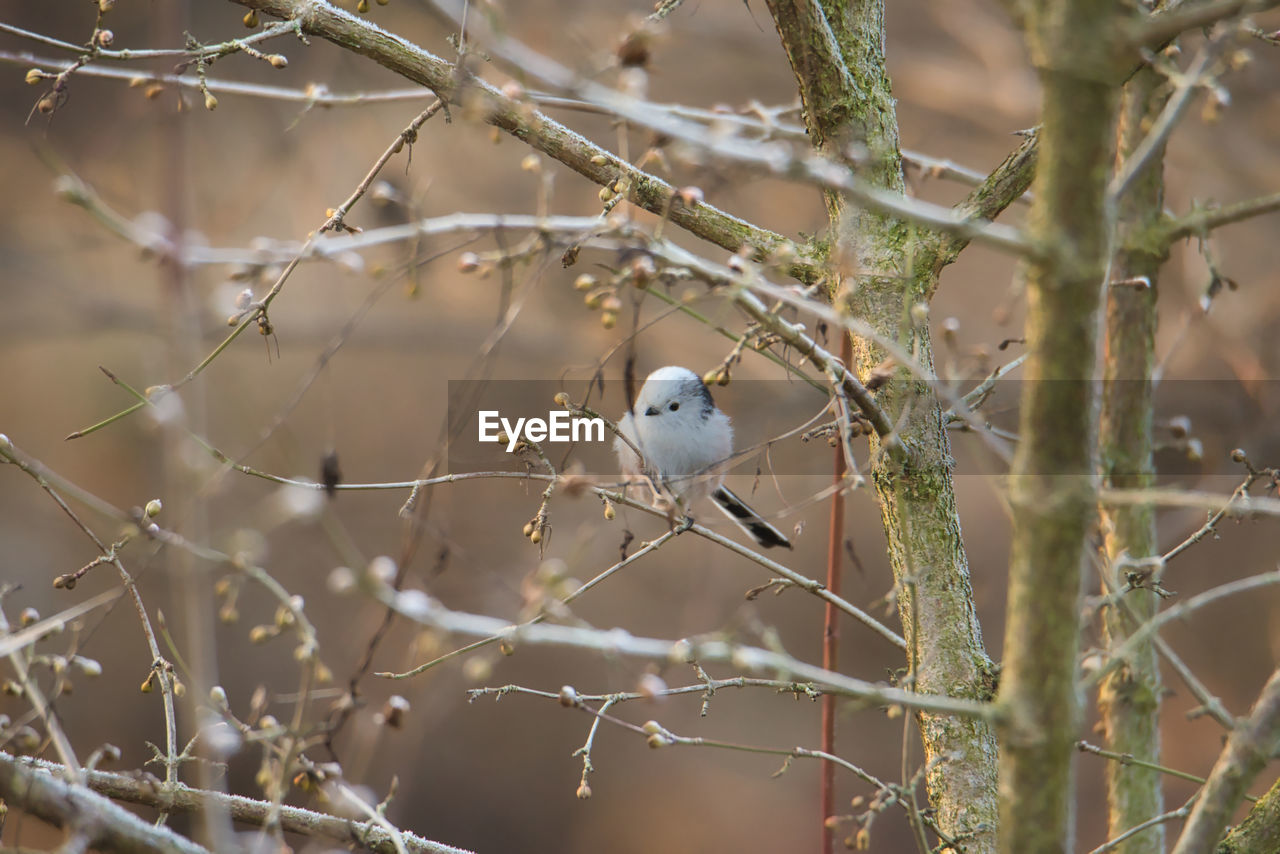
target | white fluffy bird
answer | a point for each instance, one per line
(686, 443)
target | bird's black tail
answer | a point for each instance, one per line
(749, 520)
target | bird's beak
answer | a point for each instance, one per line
(652, 410)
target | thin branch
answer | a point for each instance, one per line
(646, 549)
(416, 606)
(313, 95)
(1188, 82)
(1237, 508)
(1179, 611)
(31, 690)
(1158, 30)
(1246, 753)
(1203, 220)
(605, 168)
(1238, 498)
(36, 787)
(211, 51)
(408, 136)
(1130, 759)
(1172, 815)
(316, 95)
(1006, 184)
(1209, 703)
(777, 159)
(518, 118)
(162, 674)
(11, 643)
(183, 799)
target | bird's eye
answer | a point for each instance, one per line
(674, 406)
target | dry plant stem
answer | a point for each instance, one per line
(1116, 595)
(1129, 698)
(1247, 751)
(1052, 493)
(793, 335)
(305, 630)
(10, 453)
(750, 120)
(414, 512)
(602, 167)
(36, 787)
(921, 371)
(185, 800)
(884, 266)
(1258, 506)
(585, 750)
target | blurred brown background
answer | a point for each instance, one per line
(499, 776)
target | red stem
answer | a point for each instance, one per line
(830, 630)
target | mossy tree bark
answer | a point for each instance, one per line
(1129, 698)
(836, 49)
(1052, 491)
(1259, 833)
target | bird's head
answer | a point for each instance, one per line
(673, 394)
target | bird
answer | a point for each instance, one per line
(685, 441)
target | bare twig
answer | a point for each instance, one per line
(421, 609)
(1158, 30)
(1188, 82)
(35, 471)
(1118, 840)
(1178, 611)
(182, 799)
(1206, 219)
(31, 690)
(1246, 753)
(36, 787)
